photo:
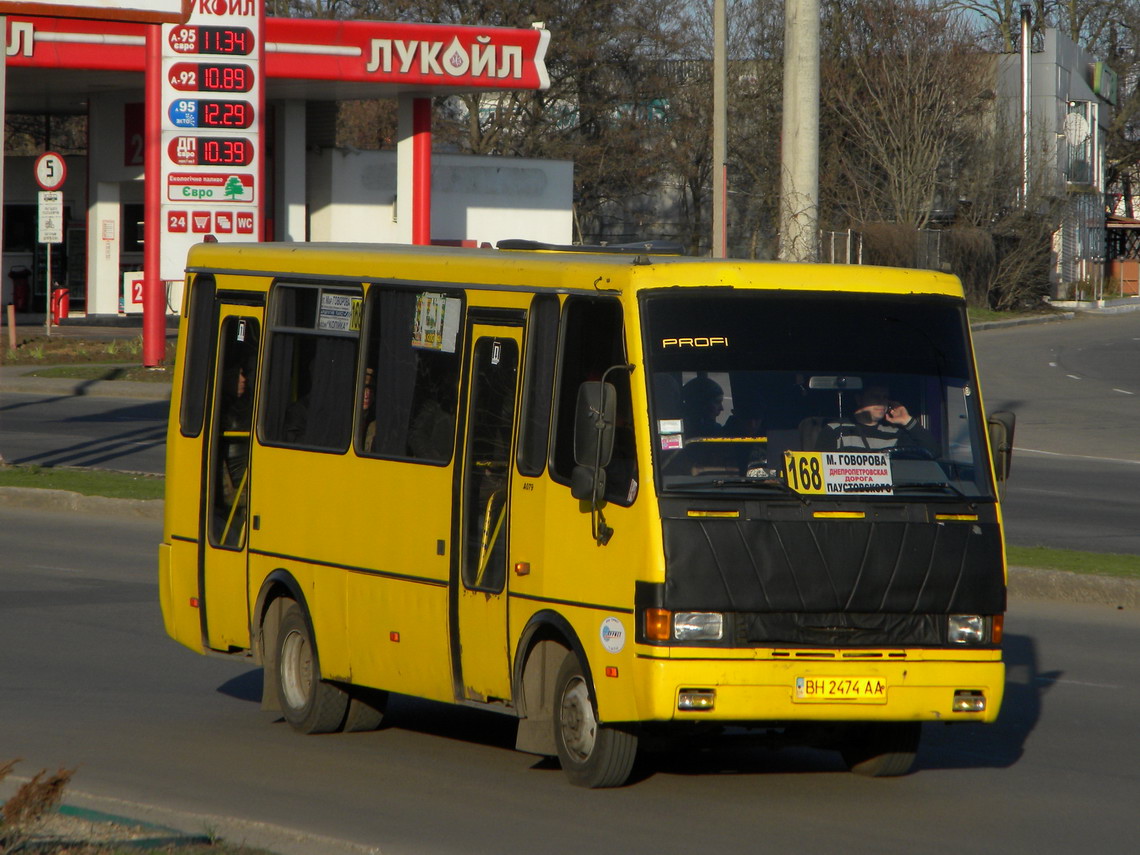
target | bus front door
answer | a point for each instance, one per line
(480, 600)
(226, 480)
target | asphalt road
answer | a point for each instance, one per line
(128, 434)
(89, 680)
(1075, 387)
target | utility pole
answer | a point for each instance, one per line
(720, 134)
(799, 144)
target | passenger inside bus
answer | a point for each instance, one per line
(702, 401)
(878, 424)
(367, 412)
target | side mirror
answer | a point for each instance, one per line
(594, 424)
(1000, 426)
(584, 481)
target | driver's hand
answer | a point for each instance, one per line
(897, 414)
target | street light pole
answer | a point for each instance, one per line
(720, 133)
(799, 149)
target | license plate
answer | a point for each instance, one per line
(862, 690)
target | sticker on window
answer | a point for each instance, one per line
(436, 324)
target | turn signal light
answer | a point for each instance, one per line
(658, 624)
(997, 628)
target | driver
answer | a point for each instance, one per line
(878, 424)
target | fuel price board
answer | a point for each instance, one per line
(211, 129)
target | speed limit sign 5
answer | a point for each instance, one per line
(51, 171)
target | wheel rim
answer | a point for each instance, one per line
(296, 669)
(579, 727)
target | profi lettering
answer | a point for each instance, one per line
(696, 341)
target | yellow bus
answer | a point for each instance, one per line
(603, 492)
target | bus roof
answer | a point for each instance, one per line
(528, 269)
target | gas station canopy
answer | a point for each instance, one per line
(305, 59)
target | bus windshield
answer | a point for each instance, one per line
(832, 394)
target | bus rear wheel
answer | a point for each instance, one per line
(881, 750)
(308, 703)
(592, 755)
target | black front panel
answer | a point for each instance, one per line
(869, 566)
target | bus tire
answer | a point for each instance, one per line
(592, 755)
(366, 709)
(308, 703)
(881, 750)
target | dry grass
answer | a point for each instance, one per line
(42, 351)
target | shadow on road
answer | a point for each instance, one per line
(109, 448)
(745, 752)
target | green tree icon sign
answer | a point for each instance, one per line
(234, 188)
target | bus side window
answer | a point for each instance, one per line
(592, 341)
(415, 375)
(311, 369)
(201, 320)
(538, 384)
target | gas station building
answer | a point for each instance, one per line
(71, 66)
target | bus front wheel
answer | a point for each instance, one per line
(309, 704)
(881, 750)
(592, 755)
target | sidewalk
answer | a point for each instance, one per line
(16, 378)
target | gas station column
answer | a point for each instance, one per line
(289, 177)
(413, 169)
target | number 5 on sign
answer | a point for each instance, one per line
(805, 471)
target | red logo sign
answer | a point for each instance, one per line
(224, 222)
(177, 221)
(200, 222)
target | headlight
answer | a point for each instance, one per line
(698, 626)
(967, 629)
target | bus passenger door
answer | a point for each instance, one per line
(226, 480)
(480, 600)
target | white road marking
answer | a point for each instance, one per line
(1076, 683)
(1021, 450)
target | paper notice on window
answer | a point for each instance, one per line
(340, 313)
(436, 324)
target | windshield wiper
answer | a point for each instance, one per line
(945, 486)
(770, 484)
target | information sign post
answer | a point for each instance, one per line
(50, 173)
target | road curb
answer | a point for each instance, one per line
(36, 498)
(21, 383)
(1037, 584)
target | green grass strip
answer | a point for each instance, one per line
(104, 372)
(1071, 561)
(88, 482)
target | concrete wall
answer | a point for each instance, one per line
(476, 198)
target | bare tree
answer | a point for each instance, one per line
(905, 90)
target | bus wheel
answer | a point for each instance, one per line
(309, 704)
(881, 750)
(366, 708)
(592, 755)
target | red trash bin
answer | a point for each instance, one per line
(21, 287)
